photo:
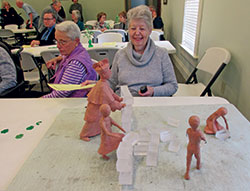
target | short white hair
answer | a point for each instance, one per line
(141, 12)
(77, 14)
(70, 28)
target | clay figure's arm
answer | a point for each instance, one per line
(117, 98)
(115, 124)
(225, 121)
(116, 105)
(203, 137)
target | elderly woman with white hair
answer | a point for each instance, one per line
(74, 63)
(142, 63)
(76, 17)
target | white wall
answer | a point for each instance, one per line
(225, 23)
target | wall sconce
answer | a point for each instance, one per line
(165, 2)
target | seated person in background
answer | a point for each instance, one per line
(47, 36)
(101, 24)
(157, 20)
(123, 21)
(76, 6)
(142, 63)
(74, 64)
(7, 71)
(61, 12)
(9, 15)
(76, 18)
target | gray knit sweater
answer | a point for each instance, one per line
(153, 68)
(7, 71)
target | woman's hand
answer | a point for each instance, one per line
(51, 64)
(87, 82)
(148, 93)
(34, 43)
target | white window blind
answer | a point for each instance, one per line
(191, 24)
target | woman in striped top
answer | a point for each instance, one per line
(74, 63)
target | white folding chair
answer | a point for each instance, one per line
(48, 55)
(33, 71)
(11, 26)
(109, 37)
(8, 36)
(121, 31)
(110, 23)
(155, 35)
(95, 33)
(212, 63)
(84, 38)
(91, 22)
(99, 53)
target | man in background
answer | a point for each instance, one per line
(31, 13)
(55, 8)
(47, 36)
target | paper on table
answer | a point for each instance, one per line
(173, 122)
(222, 134)
(69, 87)
(109, 43)
(174, 146)
(26, 46)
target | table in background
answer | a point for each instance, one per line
(36, 51)
(17, 114)
(23, 31)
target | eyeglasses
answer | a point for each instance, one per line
(48, 19)
(62, 42)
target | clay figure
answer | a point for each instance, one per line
(195, 136)
(100, 94)
(109, 140)
(212, 124)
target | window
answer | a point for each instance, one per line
(191, 26)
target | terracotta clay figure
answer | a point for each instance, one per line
(109, 140)
(212, 124)
(100, 94)
(195, 136)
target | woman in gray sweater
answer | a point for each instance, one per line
(142, 63)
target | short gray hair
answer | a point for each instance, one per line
(55, 2)
(77, 14)
(70, 28)
(49, 11)
(141, 12)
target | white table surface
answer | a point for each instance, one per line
(54, 163)
(22, 31)
(17, 114)
(36, 51)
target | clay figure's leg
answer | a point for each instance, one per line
(189, 158)
(85, 138)
(83, 135)
(105, 157)
(198, 163)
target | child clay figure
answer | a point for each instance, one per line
(195, 136)
(212, 124)
(109, 140)
(100, 94)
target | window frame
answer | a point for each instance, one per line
(193, 52)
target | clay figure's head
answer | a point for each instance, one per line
(222, 111)
(102, 68)
(105, 110)
(194, 122)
